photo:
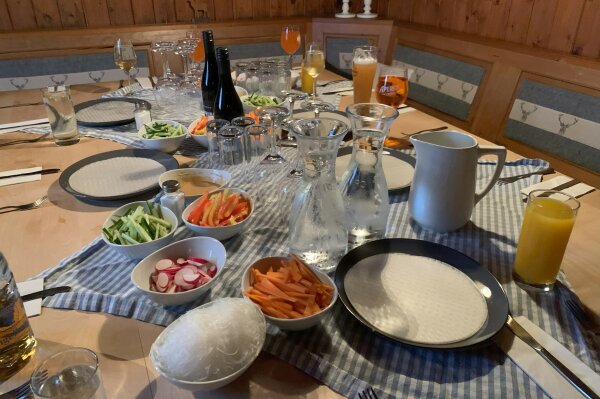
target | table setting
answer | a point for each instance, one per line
(407, 251)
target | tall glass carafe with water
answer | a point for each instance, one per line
(318, 233)
(363, 184)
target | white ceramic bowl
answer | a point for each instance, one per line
(240, 91)
(224, 232)
(139, 251)
(199, 138)
(249, 108)
(193, 385)
(220, 178)
(199, 247)
(298, 324)
(167, 144)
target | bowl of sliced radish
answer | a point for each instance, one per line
(292, 295)
(220, 214)
(139, 228)
(180, 272)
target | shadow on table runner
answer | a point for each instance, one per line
(340, 352)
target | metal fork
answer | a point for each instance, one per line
(22, 392)
(511, 179)
(24, 207)
(582, 317)
(24, 140)
(368, 393)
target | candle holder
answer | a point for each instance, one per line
(367, 11)
(345, 9)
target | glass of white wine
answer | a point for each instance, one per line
(314, 63)
(125, 57)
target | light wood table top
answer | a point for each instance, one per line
(35, 240)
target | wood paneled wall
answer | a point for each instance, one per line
(570, 26)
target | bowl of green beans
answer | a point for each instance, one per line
(162, 135)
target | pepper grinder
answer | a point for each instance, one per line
(345, 9)
(367, 11)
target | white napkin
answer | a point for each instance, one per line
(146, 83)
(12, 127)
(528, 360)
(33, 307)
(576, 190)
(20, 179)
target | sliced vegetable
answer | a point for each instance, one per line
(200, 127)
(181, 274)
(220, 209)
(160, 130)
(256, 100)
(138, 225)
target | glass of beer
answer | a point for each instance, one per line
(392, 85)
(314, 64)
(364, 67)
(547, 224)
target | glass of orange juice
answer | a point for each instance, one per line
(290, 40)
(364, 67)
(547, 224)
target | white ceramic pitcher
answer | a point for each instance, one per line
(442, 194)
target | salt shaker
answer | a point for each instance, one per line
(173, 198)
(142, 115)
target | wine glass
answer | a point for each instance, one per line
(290, 40)
(125, 57)
(273, 116)
(314, 63)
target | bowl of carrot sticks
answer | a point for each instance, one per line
(220, 214)
(292, 295)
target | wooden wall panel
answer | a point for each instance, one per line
(564, 27)
(426, 12)
(400, 9)
(223, 9)
(143, 12)
(164, 12)
(277, 8)
(261, 8)
(120, 12)
(540, 25)
(295, 8)
(46, 14)
(518, 20)
(21, 14)
(587, 41)
(446, 14)
(242, 9)
(495, 26)
(312, 8)
(185, 13)
(5, 24)
(71, 13)
(96, 13)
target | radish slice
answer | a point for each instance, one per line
(181, 261)
(178, 279)
(162, 281)
(212, 271)
(171, 289)
(197, 260)
(164, 264)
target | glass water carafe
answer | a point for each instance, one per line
(17, 343)
(318, 233)
(363, 184)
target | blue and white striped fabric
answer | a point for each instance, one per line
(340, 352)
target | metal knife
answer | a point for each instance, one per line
(520, 332)
(340, 90)
(39, 172)
(45, 293)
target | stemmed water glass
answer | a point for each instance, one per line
(314, 63)
(290, 40)
(185, 48)
(125, 57)
(273, 116)
(317, 106)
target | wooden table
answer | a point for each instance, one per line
(35, 240)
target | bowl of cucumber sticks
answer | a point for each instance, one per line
(162, 135)
(139, 228)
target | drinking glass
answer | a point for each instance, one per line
(290, 40)
(258, 145)
(185, 48)
(392, 85)
(72, 373)
(274, 116)
(61, 115)
(547, 225)
(314, 63)
(231, 145)
(125, 57)
(364, 66)
(164, 47)
(317, 106)
(212, 131)
(195, 37)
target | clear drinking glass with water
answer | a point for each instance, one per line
(72, 374)
(61, 115)
(363, 184)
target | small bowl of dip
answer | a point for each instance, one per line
(195, 182)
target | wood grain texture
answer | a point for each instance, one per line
(426, 12)
(242, 9)
(96, 13)
(295, 8)
(400, 9)
(224, 9)
(446, 14)
(46, 14)
(21, 14)
(564, 27)
(587, 41)
(261, 8)
(538, 33)
(518, 20)
(164, 11)
(5, 23)
(277, 8)
(498, 20)
(143, 11)
(312, 8)
(185, 13)
(120, 12)
(71, 13)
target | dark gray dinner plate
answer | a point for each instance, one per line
(165, 160)
(106, 111)
(392, 153)
(494, 295)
